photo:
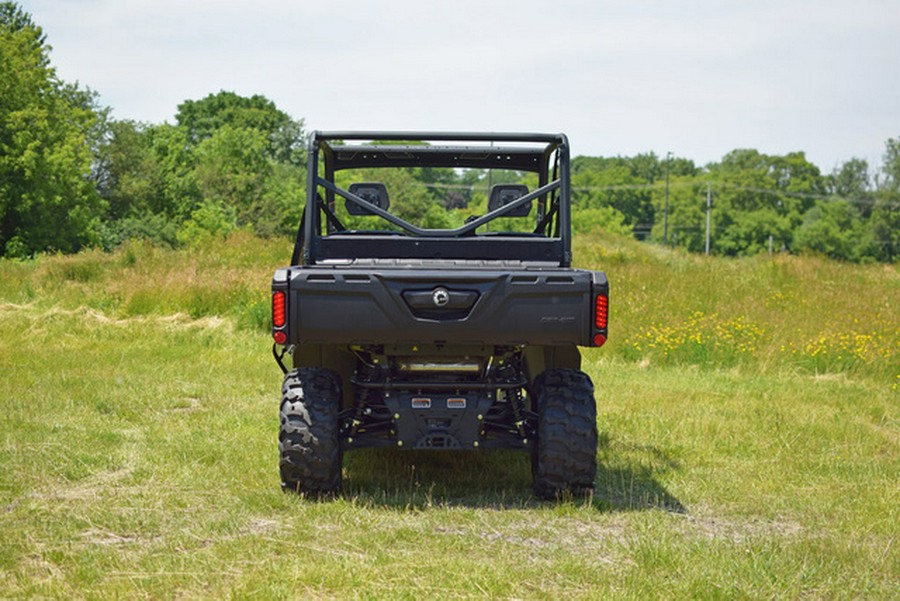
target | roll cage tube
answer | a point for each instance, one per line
(339, 156)
(460, 231)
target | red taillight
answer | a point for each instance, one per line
(599, 339)
(280, 337)
(601, 312)
(278, 309)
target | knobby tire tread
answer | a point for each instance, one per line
(565, 457)
(311, 456)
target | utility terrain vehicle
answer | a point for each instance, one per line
(431, 304)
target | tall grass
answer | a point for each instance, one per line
(224, 278)
(774, 313)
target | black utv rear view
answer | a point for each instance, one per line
(430, 304)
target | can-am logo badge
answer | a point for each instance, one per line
(440, 297)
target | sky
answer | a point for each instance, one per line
(698, 78)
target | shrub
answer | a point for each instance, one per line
(210, 220)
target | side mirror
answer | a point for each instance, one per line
(504, 194)
(372, 192)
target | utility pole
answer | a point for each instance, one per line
(666, 213)
(490, 175)
(708, 209)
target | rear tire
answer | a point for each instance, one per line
(311, 456)
(564, 459)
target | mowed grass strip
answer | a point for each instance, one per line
(138, 458)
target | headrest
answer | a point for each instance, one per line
(504, 194)
(372, 192)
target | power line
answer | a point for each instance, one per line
(661, 187)
(722, 185)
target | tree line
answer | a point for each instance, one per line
(759, 202)
(72, 177)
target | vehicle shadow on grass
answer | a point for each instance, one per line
(626, 479)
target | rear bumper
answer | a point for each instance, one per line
(347, 306)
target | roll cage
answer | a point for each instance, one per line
(321, 236)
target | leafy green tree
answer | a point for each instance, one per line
(247, 155)
(885, 220)
(203, 118)
(648, 168)
(607, 219)
(884, 225)
(633, 186)
(47, 200)
(601, 182)
(851, 179)
(210, 220)
(281, 204)
(126, 170)
(851, 182)
(231, 168)
(145, 170)
(13, 17)
(891, 166)
(758, 196)
(176, 191)
(687, 213)
(832, 228)
(224, 153)
(145, 174)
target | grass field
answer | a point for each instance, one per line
(749, 443)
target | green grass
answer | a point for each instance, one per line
(138, 452)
